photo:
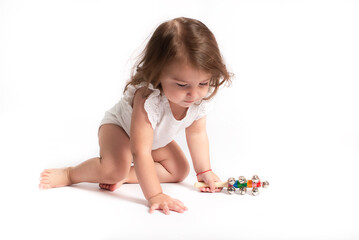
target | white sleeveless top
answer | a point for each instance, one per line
(165, 126)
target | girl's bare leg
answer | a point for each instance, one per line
(171, 166)
(112, 167)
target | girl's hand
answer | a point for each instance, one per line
(166, 203)
(209, 178)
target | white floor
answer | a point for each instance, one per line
(291, 117)
(292, 208)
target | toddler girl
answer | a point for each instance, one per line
(179, 71)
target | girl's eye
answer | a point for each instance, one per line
(181, 85)
(204, 84)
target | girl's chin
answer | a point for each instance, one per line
(186, 104)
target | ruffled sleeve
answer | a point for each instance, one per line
(152, 103)
(203, 108)
(152, 106)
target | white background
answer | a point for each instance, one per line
(291, 116)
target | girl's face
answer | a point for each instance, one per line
(183, 84)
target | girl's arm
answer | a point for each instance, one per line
(198, 145)
(141, 139)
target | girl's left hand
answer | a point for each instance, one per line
(209, 178)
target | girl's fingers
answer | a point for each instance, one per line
(206, 189)
(168, 206)
(212, 187)
(209, 190)
(154, 207)
(179, 203)
(180, 207)
(177, 208)
(166, 209)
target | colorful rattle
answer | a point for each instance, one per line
(242, 184)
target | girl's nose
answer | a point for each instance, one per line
(192, 93)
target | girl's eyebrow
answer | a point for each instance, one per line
(180, 80)
(206, 80)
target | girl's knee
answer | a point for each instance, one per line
(113, 173)
(114, 177)
(182, 172)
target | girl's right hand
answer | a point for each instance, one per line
(166, 204)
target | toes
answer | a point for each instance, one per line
(45, 172)
(105, 186)
(44, 175)
(109, 187)
(44, 186)
(45, 181)
(112, 187)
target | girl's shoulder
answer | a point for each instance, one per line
(141, 90)
(149, 96)
(142, 93)
(202, 108)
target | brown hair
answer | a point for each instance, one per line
(183, 39)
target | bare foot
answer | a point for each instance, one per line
(52, 178)
(111, 187)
